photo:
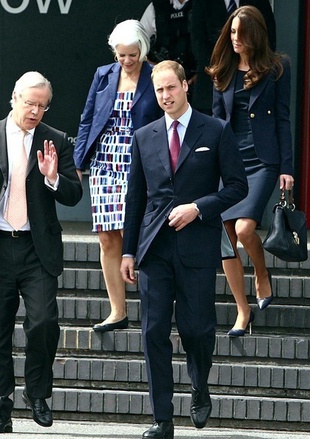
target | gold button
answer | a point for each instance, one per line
(252, 115)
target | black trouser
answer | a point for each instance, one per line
(21, 272)
(163, 280)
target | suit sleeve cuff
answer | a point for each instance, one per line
(54, 187)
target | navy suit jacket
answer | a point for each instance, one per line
(208, 153)
(269, 111)
(41, 200)
(99, 106)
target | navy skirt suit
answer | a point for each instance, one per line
(260, 120)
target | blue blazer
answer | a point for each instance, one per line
(269, 112)
(99, 107)
(208, 153)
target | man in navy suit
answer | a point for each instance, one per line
(31, 252)
(173, 230)
(208, 18)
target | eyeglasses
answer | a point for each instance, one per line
(31, 104)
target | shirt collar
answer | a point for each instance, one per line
(183, 120)
(12, 128)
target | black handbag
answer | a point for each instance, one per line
(287, 235)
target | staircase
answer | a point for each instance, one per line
(260, 381)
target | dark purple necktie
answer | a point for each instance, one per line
(231, 7)
(174, 146)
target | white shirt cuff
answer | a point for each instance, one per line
(54, 187)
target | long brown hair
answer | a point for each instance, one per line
(253, 35)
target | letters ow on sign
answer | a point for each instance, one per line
(43, 6)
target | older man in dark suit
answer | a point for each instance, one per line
(36, 170)
(208, 18)
(173, 229)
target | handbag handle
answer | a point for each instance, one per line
(283, 201)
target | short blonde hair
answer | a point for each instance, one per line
(170, 65)
(130, 32)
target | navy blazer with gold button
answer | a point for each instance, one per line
(269, 113)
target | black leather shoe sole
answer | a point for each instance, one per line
(38, 417)
(161, 430)
(6, 426)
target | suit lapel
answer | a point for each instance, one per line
(257, 90)
(160, 142)
(3, 158)
(228, 96)
(192, 135)
(37, 144)
(143, 82)
(3, 150)
(113, 79)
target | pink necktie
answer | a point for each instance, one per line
(174, 146)
(16, 211)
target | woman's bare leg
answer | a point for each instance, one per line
(246, 232)
(110, 258)
(234, 272)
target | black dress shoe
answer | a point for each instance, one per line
(201, 407)
(41, 413)
(5, 425)
(160, 430)
(104, 327)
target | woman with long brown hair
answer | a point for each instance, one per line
(252, 91)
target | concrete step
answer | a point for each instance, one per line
(86, 404)
(286, 283)
(261, 347)
(81, 245)
(279, 317)
(259, 381)
(253, 378)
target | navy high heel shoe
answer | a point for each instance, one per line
(241, 332)
(263, 303)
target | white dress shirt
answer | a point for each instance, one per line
(183, 124)
(13, 133)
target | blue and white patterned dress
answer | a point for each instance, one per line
(110, 166)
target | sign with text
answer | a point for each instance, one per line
(43, 6)
(65, 40)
